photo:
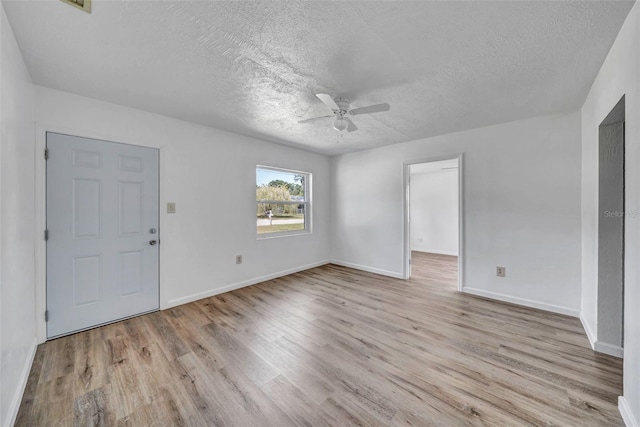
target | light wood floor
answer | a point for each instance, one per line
(329, 347)
(435, 269)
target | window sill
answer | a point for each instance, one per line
(284, 234)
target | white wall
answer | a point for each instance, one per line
(521, 194)
(619, 75)
(17, 301)
(210, 175)
(434, 212)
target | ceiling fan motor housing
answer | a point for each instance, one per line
(343, 104)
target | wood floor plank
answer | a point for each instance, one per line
(93, 409)
(290, 399)
(327, 347)
(217, 405)
(28, 398)
(91, 354)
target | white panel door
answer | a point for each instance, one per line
(102, 222)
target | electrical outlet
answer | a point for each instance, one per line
(501, 271)
(171, 207)
(238, 259)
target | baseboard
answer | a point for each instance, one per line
(599, 346)
(12, 413)
(368, 269)
(429, 251)
(590, 335)
(625, 412)
(522, 301)
(611, 350)
(238, 285)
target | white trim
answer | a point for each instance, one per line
(12, 412)
(625, 412)
(162, 217)
(279, 169)
(437, 252)
(461, 216)
(40, 225)
(405, 216)
(599, 346)
(238, 285)
(590, 335)
(523, 301)
(41, 211)
(611, 350)
(368, 269)
(279, 234)
(282, 202)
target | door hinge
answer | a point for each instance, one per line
(46, 235)
(409, 261)
(46, 315)
(46, 154)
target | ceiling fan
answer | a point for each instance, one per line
(340, 109)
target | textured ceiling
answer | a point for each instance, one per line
(254, 67)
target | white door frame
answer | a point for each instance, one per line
(41, 213)
(405, 213)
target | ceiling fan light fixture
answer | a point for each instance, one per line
(340, 124)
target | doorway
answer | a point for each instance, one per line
(611, 231)
(433, 221)
(102, 214)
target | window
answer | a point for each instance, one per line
(80, 4)
(282, 202)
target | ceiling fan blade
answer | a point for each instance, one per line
(314, 118)
(328, 101)
(370, 109)
(351, 126)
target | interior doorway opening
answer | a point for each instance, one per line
(611, 231)
(433, 221)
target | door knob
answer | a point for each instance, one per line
(153, 242)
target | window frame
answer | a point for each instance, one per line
(308, 207)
